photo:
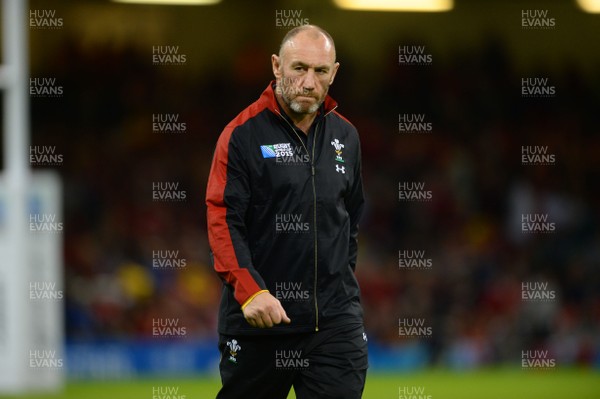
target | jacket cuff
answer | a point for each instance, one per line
(252, 297)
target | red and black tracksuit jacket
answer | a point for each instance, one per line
(283, 210)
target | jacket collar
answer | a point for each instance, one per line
(270, 101)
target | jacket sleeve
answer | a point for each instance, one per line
(227, 198)
(354, 205)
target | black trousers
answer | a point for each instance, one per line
(326, 364)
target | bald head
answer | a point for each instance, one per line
(304, 69)
(307, 33)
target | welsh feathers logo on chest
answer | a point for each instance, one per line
(338, 150)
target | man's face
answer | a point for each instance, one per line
(304, 70)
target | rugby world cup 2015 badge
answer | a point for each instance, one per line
(277, 150)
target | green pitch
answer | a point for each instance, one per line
(431, 384)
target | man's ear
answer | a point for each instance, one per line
(276, 65)
(335, 69)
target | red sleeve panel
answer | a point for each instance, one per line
(227, 198)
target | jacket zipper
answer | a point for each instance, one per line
(312, 166)
(312, 173)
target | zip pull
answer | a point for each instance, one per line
(312, 167)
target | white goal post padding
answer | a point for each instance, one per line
(32, 288)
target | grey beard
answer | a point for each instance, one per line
(295, 105)
(297, 108)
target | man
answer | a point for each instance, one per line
(284, 198)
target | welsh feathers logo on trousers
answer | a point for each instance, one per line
(234, 348)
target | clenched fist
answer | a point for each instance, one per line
(265, 311)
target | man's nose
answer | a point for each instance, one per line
(309, 80)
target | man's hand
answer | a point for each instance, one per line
(264, 311)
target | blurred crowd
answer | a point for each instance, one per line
(470, 230)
